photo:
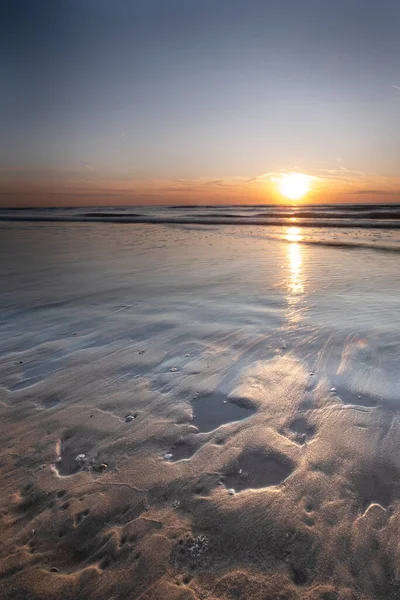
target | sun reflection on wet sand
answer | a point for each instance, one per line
(295, 281)
(293, 234)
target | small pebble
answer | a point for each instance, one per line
(80, 457)
(173, 369)
(231, 492)
(33, 532)
(146, 506)
(129, 418)
(333, 390)
(54, 570)
(42, 467)
(167, 456)
(187, 355)
(58, 459)
(141, 351)
(103, 466)
(225, 401)
(311, 374)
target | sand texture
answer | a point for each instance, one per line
(194, 413)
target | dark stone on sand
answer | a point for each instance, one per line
(100, 468)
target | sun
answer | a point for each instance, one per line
(294, 185)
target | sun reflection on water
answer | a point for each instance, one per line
(295, 281)
(293, 234)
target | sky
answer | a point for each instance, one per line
(198, 101)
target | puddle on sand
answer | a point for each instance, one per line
(302, 429)
(71, 457)
(68, 465)
(376, 484)
(257, 469)
(342, 391)
(181, 450)
(213, 410)
(348, 397)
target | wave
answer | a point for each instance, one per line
(315, 221)
(368, 246)
(382, 247)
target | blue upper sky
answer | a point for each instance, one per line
(187, 89)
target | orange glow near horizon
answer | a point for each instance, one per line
(106, 187)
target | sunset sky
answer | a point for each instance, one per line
(189, 101)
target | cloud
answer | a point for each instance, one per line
(396, 87)
(264, 176)
(215, 182)
(377, 192)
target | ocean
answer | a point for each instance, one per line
(230, 376)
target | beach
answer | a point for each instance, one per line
(199, 406)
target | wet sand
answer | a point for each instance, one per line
(197, 413)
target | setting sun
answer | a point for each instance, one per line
(294, 185)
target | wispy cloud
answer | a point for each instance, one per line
(261, 177)
(377, 192)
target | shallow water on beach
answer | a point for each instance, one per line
(266, 358)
